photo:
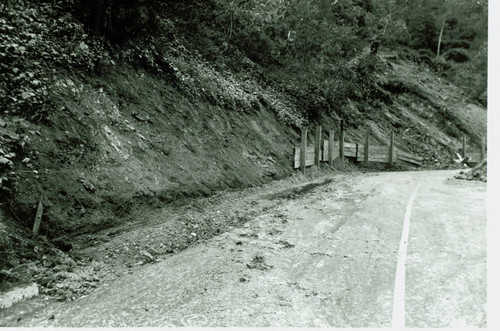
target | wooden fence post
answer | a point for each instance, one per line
(391, 150)
(317, 146)
(303, 146)
(367, 146)
(483, 148)
(330, 148)
(341, 142)
(464, 145)
(38, 216)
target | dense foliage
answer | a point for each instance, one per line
(312, 50)
(317, 39)
(37, 41)
(307, 39)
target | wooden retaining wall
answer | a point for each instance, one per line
(364, 152)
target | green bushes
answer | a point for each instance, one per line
(36, 42)
(258, 46)
(118, 20)
(5, 246)
(423, 32)
(459, 55)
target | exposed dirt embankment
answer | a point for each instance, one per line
(126, 138)
(126, 142)
(135, 140)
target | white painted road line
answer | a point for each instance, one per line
(398, 308)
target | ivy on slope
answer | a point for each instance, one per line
(38, 42)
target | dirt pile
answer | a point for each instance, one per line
(479, 172)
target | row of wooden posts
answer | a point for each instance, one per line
(474, 157)
(317, 147)
(388, 154)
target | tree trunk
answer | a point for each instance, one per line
(386, 23)
(440, 37)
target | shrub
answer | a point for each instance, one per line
(258, 46)
(459, 55)
(36, 41)
(119, 20)
(440, 65)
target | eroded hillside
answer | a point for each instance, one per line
(126, 139)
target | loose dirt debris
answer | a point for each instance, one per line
(95, 260)
(479, 172)
(258, 262)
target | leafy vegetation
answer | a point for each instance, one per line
(296, 38)
(313, 50)
(38, 41)
(113, 56)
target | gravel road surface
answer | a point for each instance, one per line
(336, 256)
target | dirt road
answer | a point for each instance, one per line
(372, 250)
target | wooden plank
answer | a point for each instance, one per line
(38, 217)
(384, 158)
(408, 158)
(309, 162)
(341, 142)
(379, 160)
(379, 156)
(309, 157)
(327, 148)
(391, 149)
(350, 152)
(296, 152)
(475, 157)
(367, 147)
(379, 149)
(464, 145)
(326, 144)
(317, 146)
(360, 153)
(361, 158)
(401, 152)
(330, 143)
(409, 155)
(309, 150)
(303, 144)
(386, 152)
(483, 148)
(413, 161)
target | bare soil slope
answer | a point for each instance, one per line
(126, 142)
